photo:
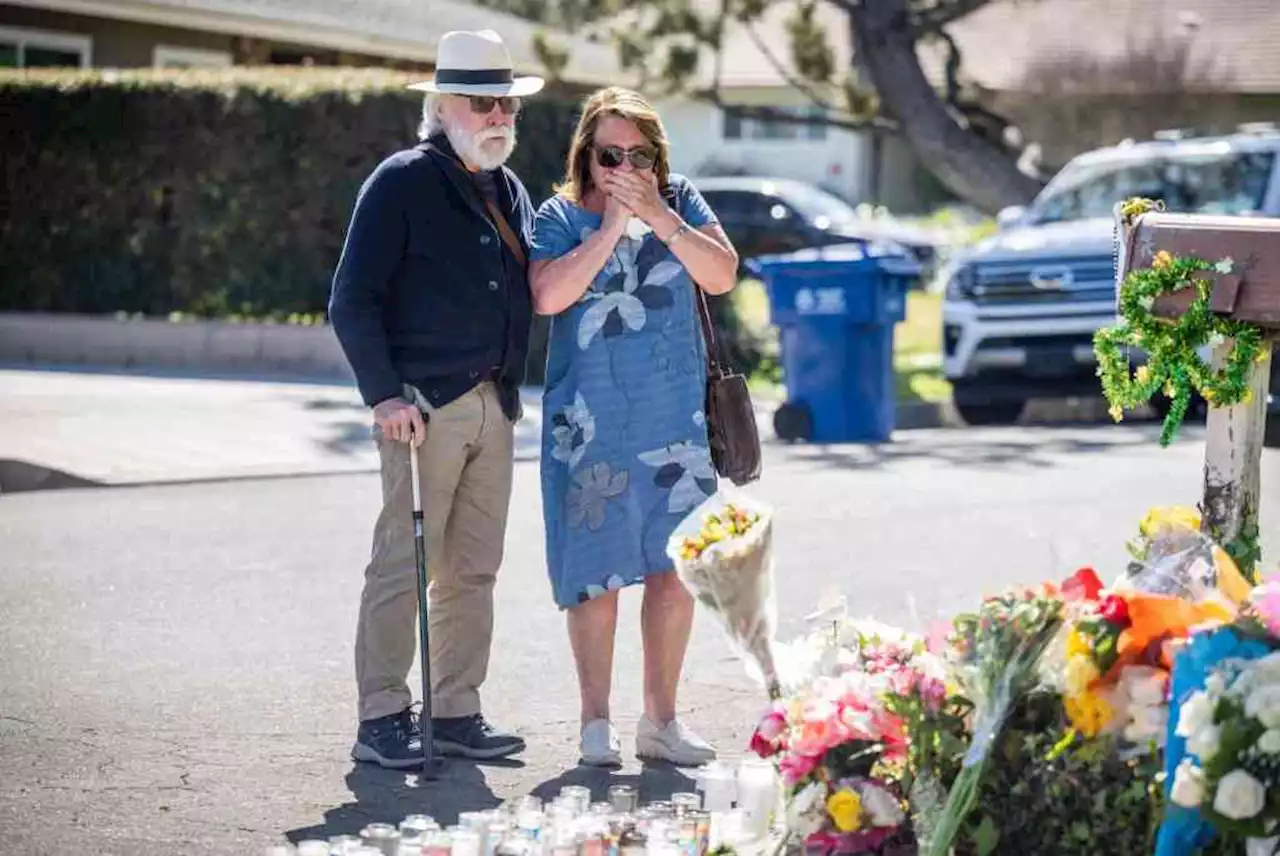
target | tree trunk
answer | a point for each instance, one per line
(971, 167)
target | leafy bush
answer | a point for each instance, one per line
(206, 192)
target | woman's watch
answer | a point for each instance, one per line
(684, 227)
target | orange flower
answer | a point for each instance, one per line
(1162, 260)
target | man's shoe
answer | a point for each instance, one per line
(473, 737)
(393, 741)
(673, 743)
(599, 745)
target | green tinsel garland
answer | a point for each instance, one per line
(1173, 364)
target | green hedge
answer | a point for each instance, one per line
(209, 193)
(217, 193)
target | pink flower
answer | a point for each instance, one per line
(774, 723)
(815, 738)
(794, 768)
(934, 693)
(904, 681)
(1266, 600)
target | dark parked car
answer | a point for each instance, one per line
(778, 215)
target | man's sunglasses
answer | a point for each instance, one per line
(611, 157)
(484, 104)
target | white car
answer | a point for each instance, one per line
(1021, 308)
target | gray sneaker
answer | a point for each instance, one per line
(673, 743)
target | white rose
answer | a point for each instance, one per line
(1240, 796)
(1269, 742)
(1147, 722)
(1204, 743)
(1215, 684)
(1188, 785)
(1196, 712)
(883, 809)
(1263, 704)
(802, 813)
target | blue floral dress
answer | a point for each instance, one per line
(624, 438)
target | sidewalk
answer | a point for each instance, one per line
(121, 429)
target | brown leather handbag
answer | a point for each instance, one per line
(731, 419)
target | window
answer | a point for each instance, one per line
(24, 48)
(737, 127)
(1227, 182)
(169, 56)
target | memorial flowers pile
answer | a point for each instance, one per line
(1056, 718)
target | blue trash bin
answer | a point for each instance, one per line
(835, 308)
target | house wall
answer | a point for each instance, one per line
(126, 44)
(699, 146)
(852, 164)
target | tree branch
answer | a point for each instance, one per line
(782, 70)
(712, 96)
(932, 20)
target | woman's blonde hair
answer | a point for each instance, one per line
(625, 104)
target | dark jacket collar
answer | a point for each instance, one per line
(441, 150)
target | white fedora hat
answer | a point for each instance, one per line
(476, 63)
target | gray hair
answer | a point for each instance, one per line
(431, 123)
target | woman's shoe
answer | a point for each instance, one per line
(599, 745)
(673, 743)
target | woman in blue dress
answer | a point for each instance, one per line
(618, 255)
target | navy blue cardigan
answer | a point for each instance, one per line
(425, 291)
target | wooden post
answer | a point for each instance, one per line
(1233, 457)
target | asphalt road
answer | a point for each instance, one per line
(175, 667)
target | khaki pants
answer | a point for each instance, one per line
(465, 466)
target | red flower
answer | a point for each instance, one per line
(763, 746)
(1082, 585)
(1115, 610)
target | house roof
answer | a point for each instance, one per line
(1003, 40)
(404, 29)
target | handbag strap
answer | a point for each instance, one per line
(714, 365)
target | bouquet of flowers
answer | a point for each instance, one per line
(996, 652)
(840, 742)
(723, 553)
(1231, 770)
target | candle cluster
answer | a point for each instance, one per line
(736, 807)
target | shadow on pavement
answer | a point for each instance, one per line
(388, 796)
(655, 782)
(1027, 447)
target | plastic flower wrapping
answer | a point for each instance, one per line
(723, 553)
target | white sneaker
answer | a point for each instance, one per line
(599, 745)
(675, 744)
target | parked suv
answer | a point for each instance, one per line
(1021, 308)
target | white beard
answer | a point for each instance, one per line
(487, 149)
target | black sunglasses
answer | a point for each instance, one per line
(611, 157)
(484, 104)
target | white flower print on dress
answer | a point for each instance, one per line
(634, 283)
(685, 469)
(592, 488)
(573, 429)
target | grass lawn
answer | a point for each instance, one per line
(917, 346)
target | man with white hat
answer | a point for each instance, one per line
(432, 307)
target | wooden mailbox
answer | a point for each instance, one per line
(1251, 292)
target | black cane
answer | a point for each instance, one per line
(431, 764)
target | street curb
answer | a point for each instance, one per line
(205, 346)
